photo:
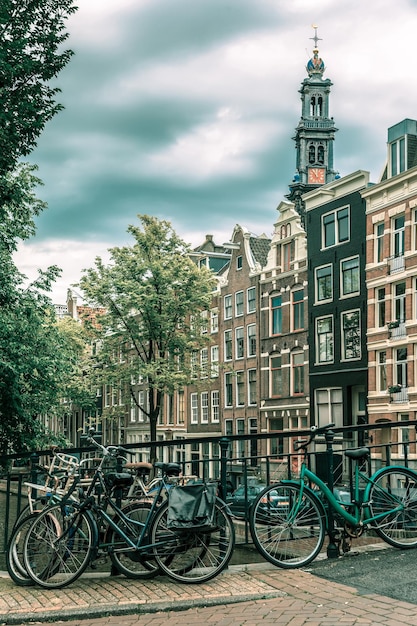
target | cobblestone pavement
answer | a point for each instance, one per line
(254, 595)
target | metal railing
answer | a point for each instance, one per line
(391, 442)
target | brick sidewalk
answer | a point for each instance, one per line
(253, 595)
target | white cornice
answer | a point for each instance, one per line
(336, 189)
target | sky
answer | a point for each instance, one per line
(186, 110)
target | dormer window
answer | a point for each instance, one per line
(397, 154)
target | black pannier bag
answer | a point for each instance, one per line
(118, 479)
(192, 507)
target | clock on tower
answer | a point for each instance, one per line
(316, 175)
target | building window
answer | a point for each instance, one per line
(194, 408)
(133, 410)
(398, 236)
(380, 303)
(351, 335)
(399, 302)
(214, 320)
(214, 361)
(397, 154)
(324, 339)
(276, 311)
(251, 299)
(382, 370)
(349, 269)
(298, 309)
(297, 371)
(204, 407)
(324, 283)
(239, 303)
(276, 376)
(215, 406)
(401, 367)
(142, 406)
(404, 433)
(286, 256)
(180, 407)
(228, 386)
(240, 388)
(240, 444)
(379, 242)
(335, 227)
(204, 322)
(252, 386)
(228, 307)
(239, 262)
(329, 406)
(204, 362)
(228, 345)
(240, 342)
(415, 228)
(252, 340)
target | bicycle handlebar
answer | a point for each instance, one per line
(314, 431)
(107, 450)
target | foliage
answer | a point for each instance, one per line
(35, 361)
(153, 295)
(32, 363)
(32, 33)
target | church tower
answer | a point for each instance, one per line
(314, 134)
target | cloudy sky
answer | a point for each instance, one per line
(186, 109)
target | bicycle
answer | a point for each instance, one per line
(289, 530)
(59, 474)
(65, 538)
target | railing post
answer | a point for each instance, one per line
(332, 549)
(224, 447)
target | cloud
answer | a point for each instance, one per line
(186, 110)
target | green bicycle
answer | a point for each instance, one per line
(289, 520)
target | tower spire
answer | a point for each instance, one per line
(315, 132)
(316, 38)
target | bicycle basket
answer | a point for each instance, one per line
(192, 507)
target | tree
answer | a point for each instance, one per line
(33, 352)
(32, 33)
(153, 295)
(35, 361)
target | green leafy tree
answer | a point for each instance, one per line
(153, 296)
(32, 34)
(33, 352)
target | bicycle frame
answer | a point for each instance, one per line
(362, 516)
(90, 504)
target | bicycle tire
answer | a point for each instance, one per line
(394, 487)
(59, 545)
(288, 530)
(133, 564)
(193, 556)
(14, 553)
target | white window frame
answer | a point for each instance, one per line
(215, 406)
(239, 303)
(194, 408)
(355, 273)
(228, 307)
(251, 308)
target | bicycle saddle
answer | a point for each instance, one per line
(357, 453)
(170, 469)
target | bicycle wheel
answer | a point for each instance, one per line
(58, 545)
(130, 562)
(287, 527)
(393, 497)
(14, 554)
(193, 556)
